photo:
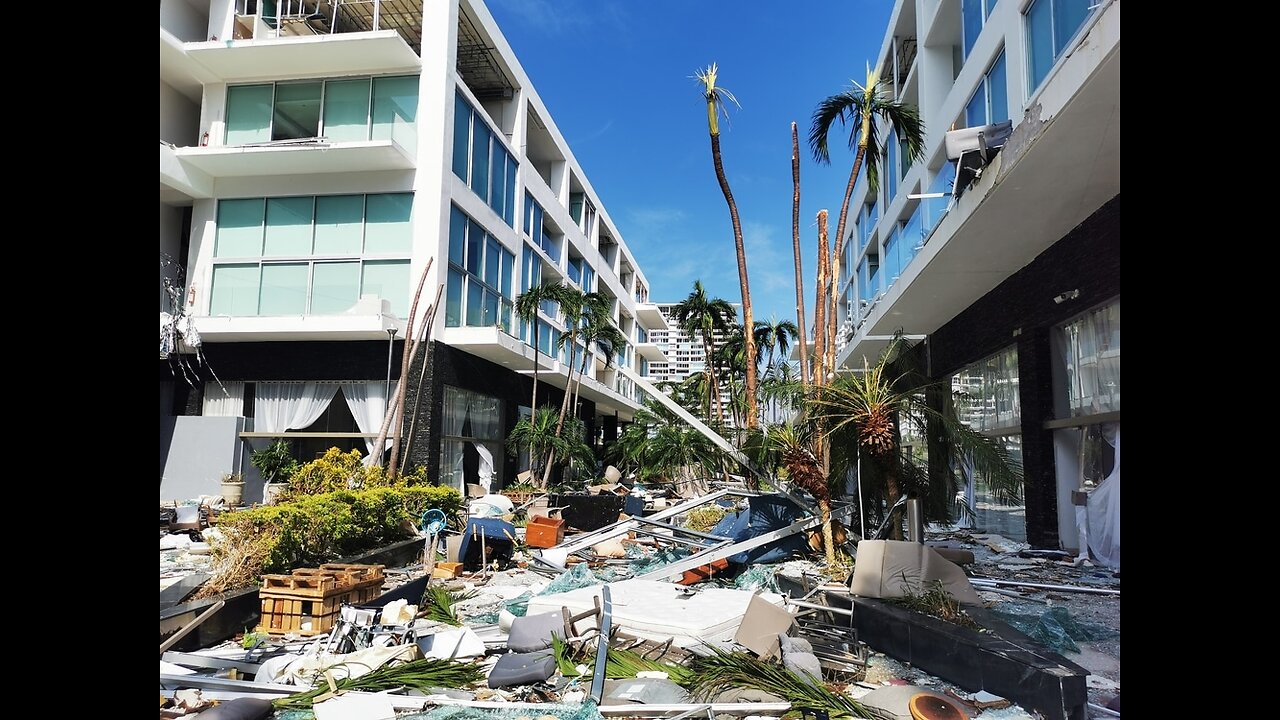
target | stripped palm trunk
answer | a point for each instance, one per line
(795, 249)
(804, 470)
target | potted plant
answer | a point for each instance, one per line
(276, 464)
(232, 489)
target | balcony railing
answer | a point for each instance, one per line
(263, 19)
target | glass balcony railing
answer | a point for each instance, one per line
(935, 208)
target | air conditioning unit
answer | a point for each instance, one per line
(982, 139)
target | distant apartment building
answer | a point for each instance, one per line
(685, 356)
(320, 162)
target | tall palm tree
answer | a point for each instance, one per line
(776, 335)
(716, 98)
(705, 316)
(820, 304)
(600, 331)
(575, 307)
(858, 108)
(863, 413)
(795, 249)
(527, 305)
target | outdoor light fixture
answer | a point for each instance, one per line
(391, 340)
(1068, 295)
(925, 196)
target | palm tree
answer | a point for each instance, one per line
(575, 307)
(537, 434)
(795, 248)
(776, 335)
(858, 108)
(657, 443)
(863, 413)
(705, 316)
(526, 305)
(716, 98)
(804, 470)
(598, 329)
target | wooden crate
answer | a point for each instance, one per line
(315, 596)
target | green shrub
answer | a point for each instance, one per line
(703, 519)
(336, 470)
(308, 530)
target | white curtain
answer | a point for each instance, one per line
(223, 403)
(290, 406)
(1104, 508)
(368, 404)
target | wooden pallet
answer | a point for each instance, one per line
(313, 597)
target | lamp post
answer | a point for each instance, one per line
(391, 344)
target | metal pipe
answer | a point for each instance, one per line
(186, 629)
(1044, 586)
(915, 521)
(815, 606)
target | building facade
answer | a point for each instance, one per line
(1008, 268)
(325, 167)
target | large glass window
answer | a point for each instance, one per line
(1090, 350)
(347, 110)
(478, 293)
(974, 14)
(986, 393)
(482, 160)
(471, 438)
(311, 255)
(1051, 25)
(990, 102)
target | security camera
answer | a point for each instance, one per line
(1068, 295)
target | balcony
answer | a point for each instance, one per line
(296, 157)
(651, 317)
(1060, 165)
(651, 352)
(369, 319)
(373, 53)
(180, 183)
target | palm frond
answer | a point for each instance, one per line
(723, 670)
(844, 106)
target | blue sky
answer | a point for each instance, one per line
(616, 77)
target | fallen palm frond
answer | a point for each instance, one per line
(723, 670)
(619, 664)
(936, 602)
(439, 602)
(415, 675)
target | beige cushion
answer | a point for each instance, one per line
(891, 568)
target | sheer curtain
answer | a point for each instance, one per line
(1104, 508)
(368, 404)
(220, 403)
(290, 406)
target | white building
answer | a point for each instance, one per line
(1012, 272)
(685, 356)
(319, 159)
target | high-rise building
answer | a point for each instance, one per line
(326, 166)
(685, 357)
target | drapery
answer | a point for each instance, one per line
(367, 402)
(1104, 508)
(223, 400)
(278, 407)
(1090, 350)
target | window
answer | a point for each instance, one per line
(974, 14)
(869, 277)
(479, 288)
(311, 255)
(1089, 348)
(482, 161)
(347, 110)
(986, 393)
(472, 436)
(1051, 25)
(990, 102)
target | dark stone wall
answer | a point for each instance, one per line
(1022, 311)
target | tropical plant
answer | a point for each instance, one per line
(717, 98)
(439, 603)
(420, 675)
(577, 308)
(805, 471)
(275, 462)
(526, 307)
(858, 108)
(722, 670)
(657, 444)
(863, 414)
(538, 433)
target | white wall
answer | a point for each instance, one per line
(196, 451)
(184, 19)
(170, 244)
(179, 117)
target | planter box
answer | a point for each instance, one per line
(544, 532)
(1003, 661)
